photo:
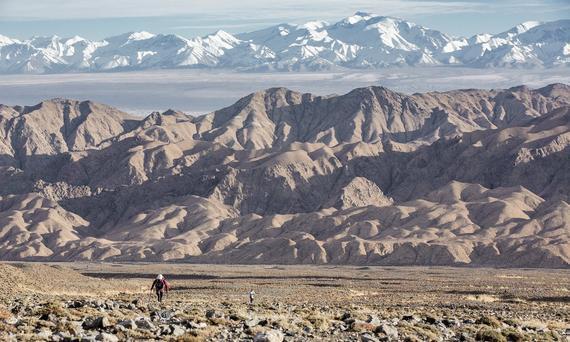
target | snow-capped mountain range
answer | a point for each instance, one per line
(360, 41)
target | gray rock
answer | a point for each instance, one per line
(368, 338)
(61, 336)
(450, 322)
(388, 330)
(12, 320)
(128, 324)
(372, 319)
(145, 324)
(269, 336)
(76, 304)
(431, 320)
(119, 328)
(89, 338)
(95, 323)
(194, 325)
(105, 337)
(176, 330)
(410, 318)
(44, 334)
(211, 313)
(250, 323)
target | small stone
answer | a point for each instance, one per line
(194, 325)
(105, 337)
(388, 330)
(44, 334)
(128, 324)
(269, 336)
(211, 313)
(76, 304)
(410, 318)
(372, 319)
(464, 336)
(250, 323)
(12, 320)
(368, 338)
(96, 323)
(119, 328)
(48, 317)
(431, 320)
(145, 325)
(176, 330)
(450, 322)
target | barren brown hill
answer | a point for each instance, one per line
(466, 177)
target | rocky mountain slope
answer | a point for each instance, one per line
(362, 40)
(465, 177)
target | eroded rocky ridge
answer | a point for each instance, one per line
(466, 177)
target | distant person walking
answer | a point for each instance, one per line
(251, 296)
(161, 286)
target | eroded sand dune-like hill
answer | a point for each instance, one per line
(465, 177)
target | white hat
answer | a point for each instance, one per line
(159, 277)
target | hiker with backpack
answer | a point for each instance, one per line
(251, 296)
(161, 286)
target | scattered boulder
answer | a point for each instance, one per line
(144, 324)
(410, 318)
(211, 313)
(252, 322)
(269, 336)
(372, 319)
(128, 324)
(388, 330)
(101, 322)
(176, 330)
(450, 322)
(431, 320)
(105, 337)
(368, 338)
(194, 325)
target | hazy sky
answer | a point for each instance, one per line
(97, 19)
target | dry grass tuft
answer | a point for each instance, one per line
(490, 335)
(490, 321)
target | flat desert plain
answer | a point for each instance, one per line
(111, 302)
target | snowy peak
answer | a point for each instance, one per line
(360, 41)
(316, 25)
(143, 35)
(6, 41)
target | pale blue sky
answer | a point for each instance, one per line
(97, 19)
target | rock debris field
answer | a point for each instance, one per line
(111, 302)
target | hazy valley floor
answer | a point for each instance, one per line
(293, 303)
(197, 91)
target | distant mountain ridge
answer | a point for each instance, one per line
(463, 177)
(360, 41)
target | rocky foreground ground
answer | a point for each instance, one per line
(110, 302)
